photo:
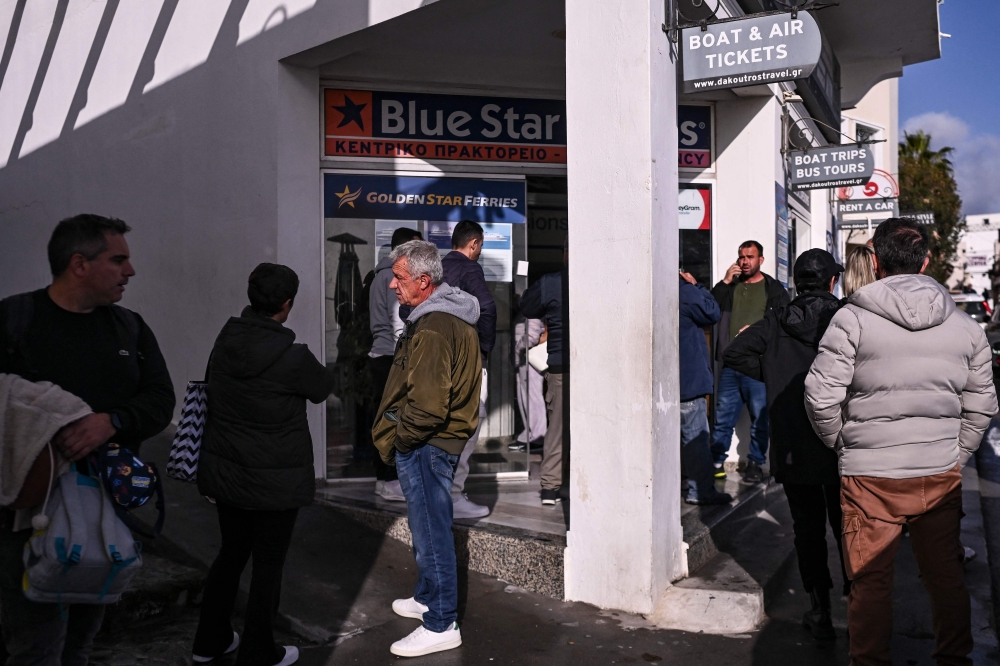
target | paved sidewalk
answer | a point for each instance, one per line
(341, 578)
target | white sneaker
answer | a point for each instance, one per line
(409, 608)
(390, 491)
(465, 508)
(422, 642)
(291, 656)
(198, 659)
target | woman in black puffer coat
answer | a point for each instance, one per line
(256, 462)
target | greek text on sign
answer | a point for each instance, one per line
(750, 51)
(374, 124)
(832, 166)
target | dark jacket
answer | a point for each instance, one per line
(109, 358)
(547, 299)
(779, 350)
(467, 275)
(257, 452)
(777, 296)
(697, 309)
(432, 394)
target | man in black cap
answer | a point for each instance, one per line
(779, 350)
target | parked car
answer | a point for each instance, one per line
(993, 336)
(975, 306)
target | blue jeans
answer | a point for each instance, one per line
(735, 389)
(695, 456)
(426, 475)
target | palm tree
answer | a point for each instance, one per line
(927, 183)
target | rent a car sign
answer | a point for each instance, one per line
(374, 124)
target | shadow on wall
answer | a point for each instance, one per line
(117, 107)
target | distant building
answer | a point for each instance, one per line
(976, 258)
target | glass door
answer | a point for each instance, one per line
(361, 212)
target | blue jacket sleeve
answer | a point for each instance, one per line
(698, 304)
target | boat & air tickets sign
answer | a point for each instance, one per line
(750, 51)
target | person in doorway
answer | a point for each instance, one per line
(698, 309)
(429, 411)
(744, 295)
(462, 270)
(548, 299)
(529, 333)
(256, 462)
(902, 390)
(779, 350)
(386, 327)
(73, 335)
(860, 269)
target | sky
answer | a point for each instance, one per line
(956, 100)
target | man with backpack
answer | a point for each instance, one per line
(386, 327)
(72, 335)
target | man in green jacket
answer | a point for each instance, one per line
(429, 410)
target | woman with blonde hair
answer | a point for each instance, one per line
(860, 269)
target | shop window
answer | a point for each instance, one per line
(354, 246)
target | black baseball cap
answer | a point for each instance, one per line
(815, 266)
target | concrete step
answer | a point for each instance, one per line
(524, 558)
(751, 545)
(710, 529)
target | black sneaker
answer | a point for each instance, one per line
(720, 471)
(753, 473)
(550, 496)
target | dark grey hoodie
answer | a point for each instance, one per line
(383, 311)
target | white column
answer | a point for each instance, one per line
(625, 543)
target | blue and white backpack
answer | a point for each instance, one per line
(80, 551)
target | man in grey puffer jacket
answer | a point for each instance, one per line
(902, 389)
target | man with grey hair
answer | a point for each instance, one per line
(429, 410)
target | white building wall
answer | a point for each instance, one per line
(174, 126)
(748, 165)
(976, 254)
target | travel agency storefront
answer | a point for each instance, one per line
(500, 161)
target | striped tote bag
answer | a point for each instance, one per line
(183, 461)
